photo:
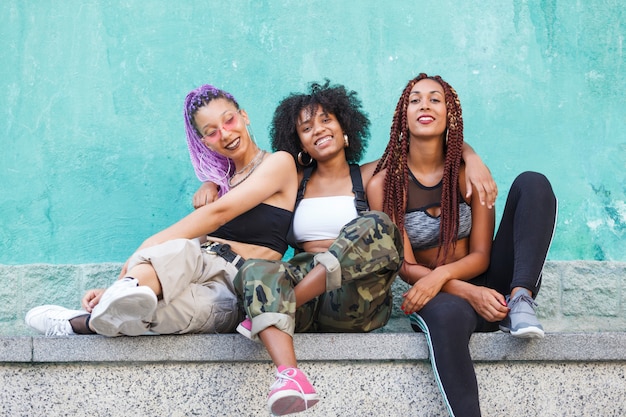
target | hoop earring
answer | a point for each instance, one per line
(345, 141)
(447, 130)
(301, 162)
(250, 133)
(228, 173)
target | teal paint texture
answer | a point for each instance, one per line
(94, 158)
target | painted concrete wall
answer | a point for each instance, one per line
(93, 154)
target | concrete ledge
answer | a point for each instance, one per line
(486, 347)
(376, 374)
(579, 369)
(16, 349)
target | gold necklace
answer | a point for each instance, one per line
(255, 162)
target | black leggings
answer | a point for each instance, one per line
(518, 255)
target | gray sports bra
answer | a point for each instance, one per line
(423, 228)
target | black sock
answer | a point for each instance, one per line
(80, 324)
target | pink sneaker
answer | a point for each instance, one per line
(245, 328)
(291, 393)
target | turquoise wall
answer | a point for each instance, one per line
(93, 153)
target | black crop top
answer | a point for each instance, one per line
(263, 225)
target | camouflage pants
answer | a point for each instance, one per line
(369, 250)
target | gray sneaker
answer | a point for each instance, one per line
(522, 320)
(124, 309)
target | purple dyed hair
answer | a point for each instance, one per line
(209, 165)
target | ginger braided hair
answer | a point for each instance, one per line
(395, 161)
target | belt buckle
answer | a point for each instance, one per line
(221, 248)
(224, 251)
(212, 246)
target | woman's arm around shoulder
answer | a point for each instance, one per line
(273, 182)
(206, 193)
(479, 176)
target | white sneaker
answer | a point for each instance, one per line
(52, 320)
(124, 309)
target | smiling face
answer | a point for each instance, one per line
(320, 133)
(426, 111)
(222, 127)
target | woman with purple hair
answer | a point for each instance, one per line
(210, 167)
(180, 280)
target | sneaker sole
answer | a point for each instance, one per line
(243, 331)
(288, 402)
(112, 318)
(528, 333)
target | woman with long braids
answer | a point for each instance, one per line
(462, 279)
(180, 280)
(347, 256)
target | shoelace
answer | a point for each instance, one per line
(57, 329)
(283, 377)
(526, 298)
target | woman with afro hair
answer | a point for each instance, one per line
(462, 279)
(347, 256)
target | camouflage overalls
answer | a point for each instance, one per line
(369, 250)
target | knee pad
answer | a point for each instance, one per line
(333, 269)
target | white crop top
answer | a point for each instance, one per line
(321, 218)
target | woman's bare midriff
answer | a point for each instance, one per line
(248, 251)
(428, 257)
(316, 246)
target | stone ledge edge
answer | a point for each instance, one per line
(325, 347)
